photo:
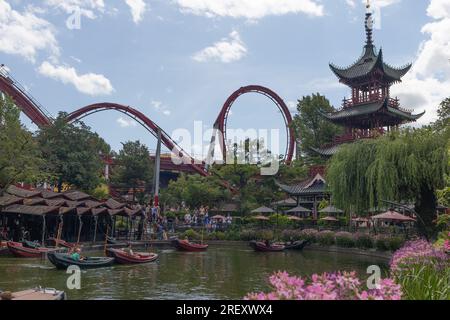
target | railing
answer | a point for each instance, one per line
(392, 102)
(350, 137)
(5, 74)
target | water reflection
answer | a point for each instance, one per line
(219, 273)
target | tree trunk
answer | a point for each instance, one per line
(426, 209)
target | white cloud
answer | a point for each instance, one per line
(25, 34)
(428, 82)
(250, 9)
(126, 123)
(227, 50)
(137, 9)
(90, 83)
(160, 107)
(87, 8)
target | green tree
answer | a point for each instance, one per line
(195, 191)
(134, 168)
(312, 129)
(20, 158)
(73, 153)
(406, 166)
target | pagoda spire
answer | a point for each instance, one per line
(369, 24)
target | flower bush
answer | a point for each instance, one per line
(345, 239)
(419, 252)
(325, 238)
(422, 270)
(309, 234)
(288, 235)
(328, 286)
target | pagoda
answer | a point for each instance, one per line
(370, 112)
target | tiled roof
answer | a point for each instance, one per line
(22, 193)
(316, 185)
(368, 62)
(76, 195)
(9, 199)
(32, 210)
(113, 204)
(328, 152)
(369, 109)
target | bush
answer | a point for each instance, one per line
(382, 243)
(363, 241)
(265, 235)
(422, 270)
(192, 234)
(309, 234)
(248, 235)
(288, 235)
(232, 235)
(395, 243)
(345, 239)
(326, 238)
(218, 235)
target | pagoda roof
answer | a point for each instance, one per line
(315, 185)
(368, 63)
(366, 109)
(327, 152)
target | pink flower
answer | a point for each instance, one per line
(327, 286)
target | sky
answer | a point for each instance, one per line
(177, 61)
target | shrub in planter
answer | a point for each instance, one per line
(382, 243)
(192, 234)
(345, 239)
(395, 243)
(248, 235)
(232, 235)
(288, 235)
(363, 241)
(309, 234)
(326, 238)
(265, 235)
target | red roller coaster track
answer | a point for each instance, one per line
(145, 122)
(41, 117)
(221, 122)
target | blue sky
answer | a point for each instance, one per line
(178, 60)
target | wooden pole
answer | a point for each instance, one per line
(43, 230)
(95, 228)
(106, 238)
(79, 229)
(60, 227)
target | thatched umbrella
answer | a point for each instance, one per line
(294, 218)
(299, 209)
(263, 210)
(393, 216)
(261, 218)
(329, 219)
(331, 210)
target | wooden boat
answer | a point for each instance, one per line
(19, 250)
(113, 241)
(262, 247)
(185, 245)
(62, 243)
(123, 257)
(64, 260)
(38, 294)
(3, 249)
(297, 245)
(31, 244)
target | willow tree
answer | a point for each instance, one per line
(405, 166)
